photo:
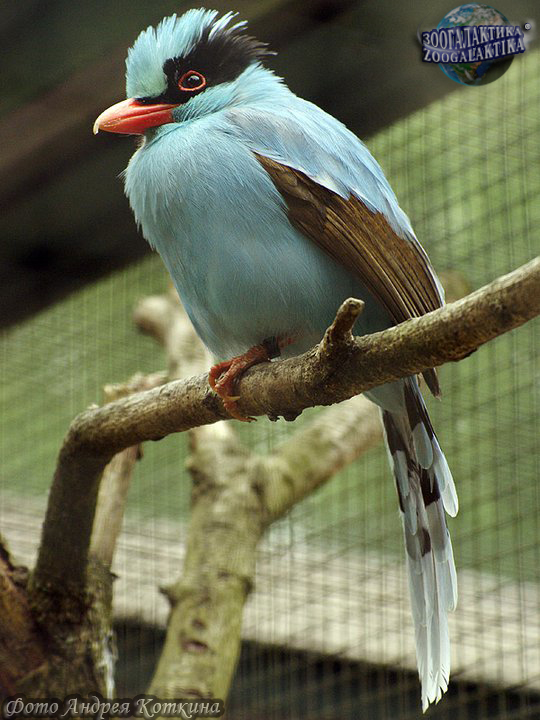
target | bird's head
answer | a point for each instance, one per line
(185, 68)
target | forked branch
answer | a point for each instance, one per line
(329, 373)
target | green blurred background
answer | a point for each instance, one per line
(464, 163)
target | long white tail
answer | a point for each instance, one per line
(425, 489)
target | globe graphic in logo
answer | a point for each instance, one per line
(475, 73)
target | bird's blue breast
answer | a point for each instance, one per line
(242, 270)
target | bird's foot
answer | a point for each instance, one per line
(223, 377)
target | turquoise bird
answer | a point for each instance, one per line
(268, 213)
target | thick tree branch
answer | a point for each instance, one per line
(22, 650)
(116, 479)
(204, 626)
(236, 495)
(327, 374)
(295, 469)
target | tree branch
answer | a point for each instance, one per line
(116, 479)
(236, 495)
(329, 373)
(315, 454)
(22, 649)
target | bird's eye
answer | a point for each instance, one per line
(192, 80)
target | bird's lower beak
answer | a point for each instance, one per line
(133, 118)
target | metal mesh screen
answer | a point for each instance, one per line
(328, 632)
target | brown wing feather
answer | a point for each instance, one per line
(395, 270)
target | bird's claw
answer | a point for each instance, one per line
(223, 376)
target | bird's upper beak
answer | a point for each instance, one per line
(133, 118)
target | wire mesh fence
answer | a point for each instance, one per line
(327, 631)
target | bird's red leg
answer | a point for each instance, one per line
(223, 376)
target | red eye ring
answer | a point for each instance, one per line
(191, 81)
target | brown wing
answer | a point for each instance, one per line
(394, 269)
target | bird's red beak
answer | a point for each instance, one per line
(133, 118)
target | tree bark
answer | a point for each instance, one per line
(69, 594)
(21, 648)
(236, 495)
(338, 368)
